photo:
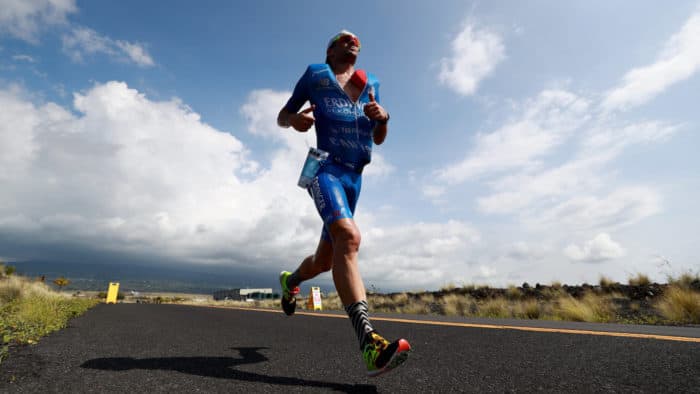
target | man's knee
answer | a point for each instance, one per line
(346, 235)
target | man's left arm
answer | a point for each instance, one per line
(380, 131)
(376, 112)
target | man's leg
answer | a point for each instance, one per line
(346, 274)
(311, 266)
(379, 354)
(317, 263)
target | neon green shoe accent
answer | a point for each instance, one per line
(372, 351)
(382, 356)
(283, 282)
(289, 300)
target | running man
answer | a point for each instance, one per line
(349, 119)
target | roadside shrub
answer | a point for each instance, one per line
(605, 282)
(10, 289)
(680, 305)
(590, 308)
(496, 307)
(639, 280)
(685, 281)
(513, 293)
(528, 309)
(455, 305)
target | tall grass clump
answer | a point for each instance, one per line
(527, 309)
(639, 280)
(686, 280)
(680, 304)
(495, 307)
(605, 282)
(30, 310)
(590, 308)
(456, 305)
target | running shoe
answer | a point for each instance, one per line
(382, 356)
(289, 300)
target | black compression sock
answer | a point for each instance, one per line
(360, 321)
(293, 280)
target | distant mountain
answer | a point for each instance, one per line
(149, 278)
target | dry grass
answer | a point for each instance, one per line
(605, 282)
(680, 305)
(639, 280)
(685, 281)
(553, 303)
(591, 308)
(30, 310)
(16, 287)
(528, 309)
(513, 293)
(456, 305)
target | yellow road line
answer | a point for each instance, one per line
(493, 326)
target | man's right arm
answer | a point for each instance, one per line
(288, 115)
(301, 121)
(283, 118)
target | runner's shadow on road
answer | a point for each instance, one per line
(218, 367)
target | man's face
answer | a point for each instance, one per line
(346, 47)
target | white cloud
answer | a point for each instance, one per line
(579, 178)
(260, 111)
(25, 19)
(678, 61)
(23, 58)
(419, 255)
(136, 52)
(379, 168)
(599, 249)
(545, 123)
(82, 41)
(475, 54)
(623, 207)
(130, 174)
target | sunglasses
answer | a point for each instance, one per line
(346, 38)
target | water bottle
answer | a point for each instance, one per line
(313, 162)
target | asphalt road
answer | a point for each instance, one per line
(138, 348)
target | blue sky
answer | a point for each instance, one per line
(532, 142)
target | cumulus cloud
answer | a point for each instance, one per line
(419, 254)
(81, 42)
(26, 19)
(131, 174)
(121, 173)
(678, 61)
(597, 250)
(475, 53)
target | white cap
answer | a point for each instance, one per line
(338, 35)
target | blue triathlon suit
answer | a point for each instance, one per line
(342, 130)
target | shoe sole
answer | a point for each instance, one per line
(396, 360)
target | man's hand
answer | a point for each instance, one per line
(303, 120)
(375, 111)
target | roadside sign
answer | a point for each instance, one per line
(112, 293)
(314, 299)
